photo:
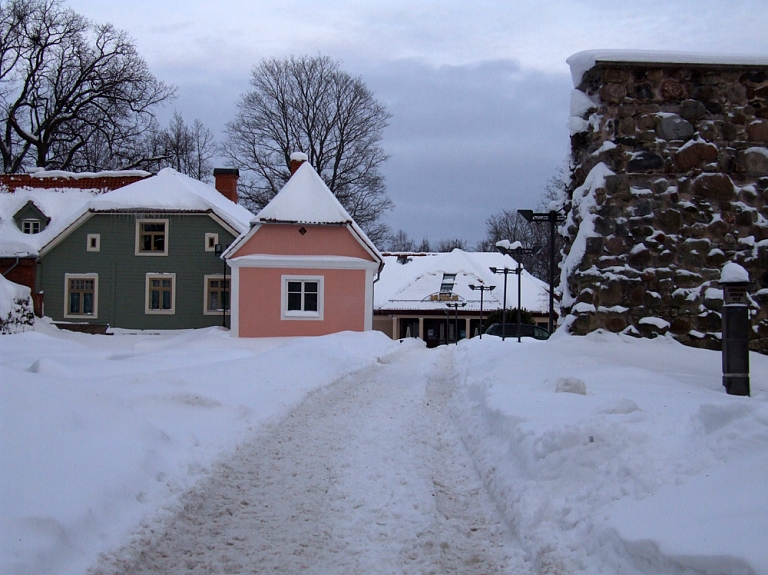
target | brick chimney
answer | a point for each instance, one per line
(226, 182)
(297, 158)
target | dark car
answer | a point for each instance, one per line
(526, 330)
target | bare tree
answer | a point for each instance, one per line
(308, 104)
(186, 149)
(451, 244)
(401, 242)
(73, 94)
(510, 225)
(424, 246)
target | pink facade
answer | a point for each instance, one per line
(260, 302)
(286, 239)
(273, 256)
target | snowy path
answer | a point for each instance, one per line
(366, 476)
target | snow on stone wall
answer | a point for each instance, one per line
(682, 150)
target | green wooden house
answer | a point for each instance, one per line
(145, 256)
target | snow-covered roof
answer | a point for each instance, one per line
(170, 190)
(411, 285)
(62, 205)
(306, 199)
(581, 62)
(167, 191)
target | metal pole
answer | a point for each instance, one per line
(504, 309)
(552, 219)
(456, 324)
(519, 273)
(482, 290)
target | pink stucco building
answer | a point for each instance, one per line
(305, 267)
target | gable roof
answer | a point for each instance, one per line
(409, 285)
(167, 192)
(58, 204)
(306, 199)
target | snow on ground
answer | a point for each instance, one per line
(144, 448)
(654, 470)
(98, 432)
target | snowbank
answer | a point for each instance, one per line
(654, 470)
(16, 313)
(101, 433)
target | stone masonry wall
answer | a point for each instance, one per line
(686, 190)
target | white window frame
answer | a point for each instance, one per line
(147, 297)
(93, 243)
(207, 311)
(90, 276)
(31, 222)
(210, 242)
(285, 314)
(138, 251)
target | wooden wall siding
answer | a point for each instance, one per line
(285, 239)
(122, 274)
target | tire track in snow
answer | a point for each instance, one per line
(365, 476)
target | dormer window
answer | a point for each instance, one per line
(30, 226)
(30, 219)
(446, 286)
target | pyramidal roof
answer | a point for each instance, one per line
(305, 199)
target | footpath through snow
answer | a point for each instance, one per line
(366, 476)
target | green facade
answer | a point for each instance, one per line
(122, 274)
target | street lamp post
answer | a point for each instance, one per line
(455, 306)
(483, 289)
(553, 217)
(504, 271)
(515, 249)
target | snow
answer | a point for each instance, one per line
(657, 322)
(581, 62)
(734, 273)
(408, 286)
(9, 293)
(305, 199)
(62, 205)
(581, 103)
(170, 190)
(590, 455)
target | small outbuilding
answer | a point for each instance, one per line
(305, 267)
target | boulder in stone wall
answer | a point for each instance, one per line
(695, 154)
(708, 131)
(639, 256)
(671, 90)
(755, 161)
(670, 220)
(615, 245)
(645, 161)
(692, 110)
(673, 127)
(717, 229)
(700, 245)
(615, 323)
(715, 258)
(745, 218)
(714, 187)
(709, 321)
(613, 93)
(757, 131)
(617, 185)
(611, 293)
(687, 279)
(729, 131)
(584, 324)
(594, 245)
(680, 326)
(634, 293)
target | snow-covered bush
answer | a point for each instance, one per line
(16, 312)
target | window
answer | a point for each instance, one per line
(446, 286)
(302, 297)
(30, 226)
(152, 238)
(216, 295)
(81, 295)
(93, 242)
(210, 242)
(161, 293)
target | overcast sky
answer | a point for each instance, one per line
(479, 91)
